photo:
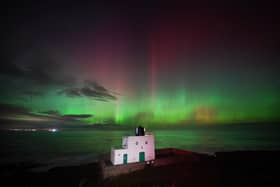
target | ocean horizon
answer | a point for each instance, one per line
(79, 146)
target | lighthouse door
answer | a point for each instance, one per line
(124, 158)
(141, 156)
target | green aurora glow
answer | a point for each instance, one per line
(200, 66)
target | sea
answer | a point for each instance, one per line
(81, 146)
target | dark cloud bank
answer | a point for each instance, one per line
(11, 113)
(90, 89)
(40, 71)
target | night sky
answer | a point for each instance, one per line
(151, 65)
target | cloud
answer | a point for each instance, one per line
(76, 116)
(18, 113)
(90, 89)
(56, 115)
(39, 68)
(39, 71)
(95, 86)
(11, 69)
(12, 110)
(71, 92)
(51, 113)
(90, 92)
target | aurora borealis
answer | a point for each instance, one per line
(152, 66)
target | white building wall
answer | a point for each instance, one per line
(137, 144)
(117, 156)
(133, 145)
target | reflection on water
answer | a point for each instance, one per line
(89, 145)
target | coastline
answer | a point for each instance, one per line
(237, 168)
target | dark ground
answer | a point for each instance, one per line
(250, 168)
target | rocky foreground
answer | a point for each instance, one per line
(241, 168)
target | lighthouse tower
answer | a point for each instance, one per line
(138, 148)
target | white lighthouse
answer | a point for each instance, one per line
(138, 148)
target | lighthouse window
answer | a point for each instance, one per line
(146, 142)
(136, 143)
